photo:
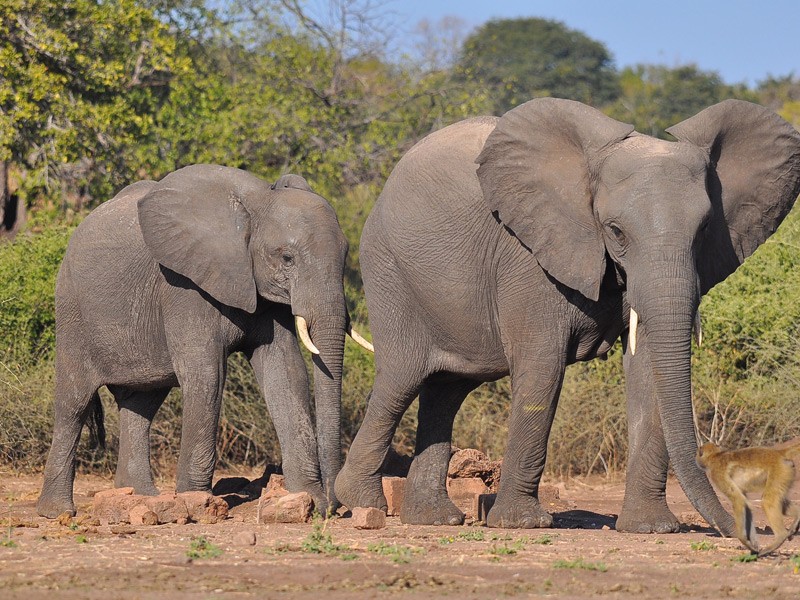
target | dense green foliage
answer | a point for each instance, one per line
(104, 92)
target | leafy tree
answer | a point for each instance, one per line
(655, 97)
(519, 59)
(78, 82)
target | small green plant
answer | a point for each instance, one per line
(81, 539)
(745, 558)
(543, 540)
(703, 546)
(660, 542)
(200, 547)
(473, 535)
(319, 541)
(579, 563)
(795, 562)
(448, 539)
(399, 554)
(73, 526)
(8, 543)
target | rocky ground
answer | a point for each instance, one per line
(582, 556)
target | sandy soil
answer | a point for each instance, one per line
(582, 557)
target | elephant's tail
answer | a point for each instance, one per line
(97, 428)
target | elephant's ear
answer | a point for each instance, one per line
(204, 238)
(754, 179)
(535, 174)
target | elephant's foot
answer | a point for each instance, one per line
(365, 491)
(647, 519)
(428, 507)
(51, 508)
(523, 512)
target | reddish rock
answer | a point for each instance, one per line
(124, 491)
(288, 508)
(470, 463)
(113, 508)
(394, 490)
(465, 492)
(204, 507)
(244, 538)
(167, 507)
(368, 518)
(141, 515)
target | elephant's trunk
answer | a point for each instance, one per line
(667, 314)
(327, 330)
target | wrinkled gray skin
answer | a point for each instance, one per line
(160, 284)
(516, 246)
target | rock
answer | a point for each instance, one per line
(113, 508)
(276, 486)
(394, 490)
(123, 491)
(167, 507)
(470, 463)
(368, 518)
(244, 538)
(465, 492)
(288, 508)
(141, 515)
(204, 507)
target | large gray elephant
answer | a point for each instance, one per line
(521, 244)
(160, 284)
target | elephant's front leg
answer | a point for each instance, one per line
(535, 386)
(201, 376)
(283, 378)
(644, 509)
(426, 501)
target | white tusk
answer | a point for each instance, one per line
(359, 339)
(698, 329)
(632, 333)
(302, 331)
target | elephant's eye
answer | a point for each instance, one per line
(617, 232)
(287, 259)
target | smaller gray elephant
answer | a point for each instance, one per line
(160, 284)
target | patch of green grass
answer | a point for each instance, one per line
(473, 535)
(81, 539)
(703, 546)
(319, 541)
(795, 562)
(579, 563)
(543, 540)
(398, 553)
(745, 558)
(8, 543)
(498, 550)
(200, 547)
(448, 539)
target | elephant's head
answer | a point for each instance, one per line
(240, 240)
(579, 189)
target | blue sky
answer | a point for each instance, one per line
(742, 40)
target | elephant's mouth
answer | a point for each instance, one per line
(305, 337)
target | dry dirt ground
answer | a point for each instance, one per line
(581, 557)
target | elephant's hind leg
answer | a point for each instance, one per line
(137, 408)
(426, 501)
(359, 482)
(73, 402)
